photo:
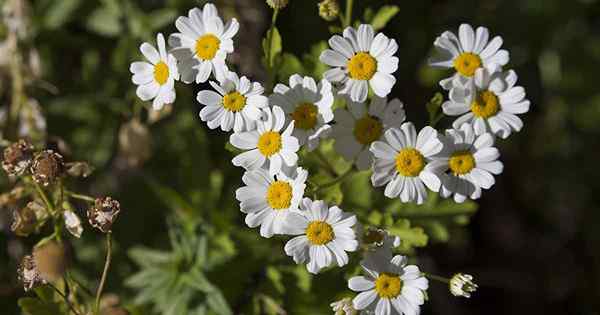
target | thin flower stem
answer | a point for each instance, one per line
(270, 66)
(44, 197)
(81, 285)
(325, 162)
(79, 196)
(348, 15)
(335, 181)
(65, 298)
(436, 278)
(104, 273)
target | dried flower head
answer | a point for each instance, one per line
(24, 221)
(17, 158)
(103, 213)
(29, 274)
(47, 167)
(343, 307)
(462, 285)
(277, 4)
(329, 10)
(51, 260)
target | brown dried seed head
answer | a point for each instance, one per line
(47, 167)
(103, 214)
(24, 221)
(51, 260)
(17, 158)
(29, 274)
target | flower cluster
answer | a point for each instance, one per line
(270, 130)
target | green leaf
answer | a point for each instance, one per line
(290, 64)
(271, 47)
(229, 147)
(104, 22)
(198, 281)
(357, 190)
(409, 236)
(60, 12)
(276, 279)
(383, 16)
(160, 18)
(148, 257)
(217, 303)
(33, 306)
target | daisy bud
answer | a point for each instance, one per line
(24, 221)
(51, 260)
(329, 9)
(73, 223)
(103, 213)
(47, 167)
(29, 274)
(17, 158)
(277, 4)
(462, 285)
(344, 307)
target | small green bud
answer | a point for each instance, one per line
(462, 285)
(329, 10)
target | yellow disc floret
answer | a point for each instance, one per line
(279, 195)
(466, 64)
(319, 232)
(362, 66)
(305, 116)
(410, 162)
(485, 105)
(234, 101)
(388, 285)
(207, 46)
(269, 143)
(161, 73)
(461, 162)
(367, 130)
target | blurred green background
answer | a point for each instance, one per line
(533, 245)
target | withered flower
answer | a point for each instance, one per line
(17, 158)
(51, 260)
(24, 221)
(47, 167)
(103, 214)
(29, 274)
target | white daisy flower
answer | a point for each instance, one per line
(202, 43)
(267, 143)
(237, 104)
(359, 60)
(467, 162)
(356, 128)
(156, 78)
(402, 161)
(389, 286)
(309, 105)
(468, 52)
(268, 199)
(491, 104)
(324, 235)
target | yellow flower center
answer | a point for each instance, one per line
(279, 195)
(485, 105)
(234, 101)
(388, 285)
(319, 232)
(410, 162)
(207, 46)
(367, 130)
(466, 64)
(161, 73)
(362, 66)
(269, 143)
(305, 116)
(461, 162)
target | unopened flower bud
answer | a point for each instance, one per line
(462, 285)
(344, 307)
(73, 223)
(329, 10)
(277, 4)
(17, 158)
(24, 221)
(29, 274)
(103, 214)
(51, 260)
(47, 167)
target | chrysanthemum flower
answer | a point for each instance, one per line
(202, 44)
(402, 161)
(389, 286)
(268, 200)
(237, 104)
(267, 143)
(491, 104)
(467, 162)
(309, 105)
(156, 78)
(466, 53)
(324, 235)
(359, 60)
(357, 127)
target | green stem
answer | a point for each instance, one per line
(79, 196)
(436, 278)
(18, 86)
(104, 273)
(65, 298)
(325, 162)
(335, 181)
(270, 65)
(348, 15)
(44, 197)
